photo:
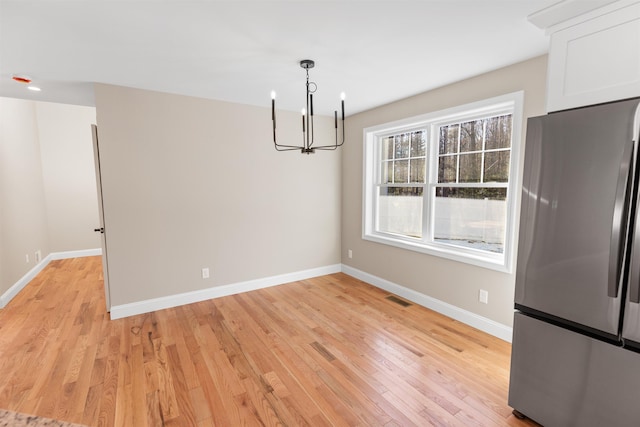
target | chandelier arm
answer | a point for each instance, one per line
(288, 148)
(334, 146)
(297, 147)
(310, 97)
(309, 116)
(280, 147)
(304, 134)
(311, 124)
(311, 121)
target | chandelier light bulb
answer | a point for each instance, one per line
(273, 94)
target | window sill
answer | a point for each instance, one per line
(459, 254)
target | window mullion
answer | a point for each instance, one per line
(426, 214)
(482, 156)
(393, 160)
(458, 154)
(409, 159)
(433, 156)
(430, 151)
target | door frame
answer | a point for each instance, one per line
(102, 229)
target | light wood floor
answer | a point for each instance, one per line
(326, 351)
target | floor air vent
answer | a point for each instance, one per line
(397, 300)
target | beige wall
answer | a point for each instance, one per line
(69, 176)
(47, 184)
(23, 225)
(449, 281)
(191, 183)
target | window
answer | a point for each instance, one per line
(445, 184)
(402, 184)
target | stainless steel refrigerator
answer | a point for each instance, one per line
(576, 336)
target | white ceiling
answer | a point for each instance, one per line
(375, 51)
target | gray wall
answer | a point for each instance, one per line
(23, 223)
(191, 183)
(449, 281)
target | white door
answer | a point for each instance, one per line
(101, 230)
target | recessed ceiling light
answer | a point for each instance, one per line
(22, 79)
(34, 88)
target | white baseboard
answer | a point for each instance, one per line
(124, 310)
(76, 254)
(479, 322)
(132, 309)
(24, 280)
(31, 274)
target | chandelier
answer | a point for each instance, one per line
(307, 146)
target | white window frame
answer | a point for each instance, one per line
(511, 103)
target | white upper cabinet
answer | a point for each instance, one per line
(594, 57)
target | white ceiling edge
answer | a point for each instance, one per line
(72, 93)
(567, 10)
(376, 52)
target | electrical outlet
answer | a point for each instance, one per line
(483, 296)
(26, 258)
(38, 256)
(350, 253)
(205, 273)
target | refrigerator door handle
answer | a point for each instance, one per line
(618, 228)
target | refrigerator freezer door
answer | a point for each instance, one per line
(561, 378)
(631, 329)
(574, 209)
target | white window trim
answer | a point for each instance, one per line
(513, 103)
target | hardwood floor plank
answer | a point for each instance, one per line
(166, 390)
(106, 414)
(138, 390)
(154, 410)
(183, 399)
(328, 351)
(123, 408)
(213, 399)
(91, 406)
(201, 410)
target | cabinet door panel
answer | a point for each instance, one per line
(595, 61)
